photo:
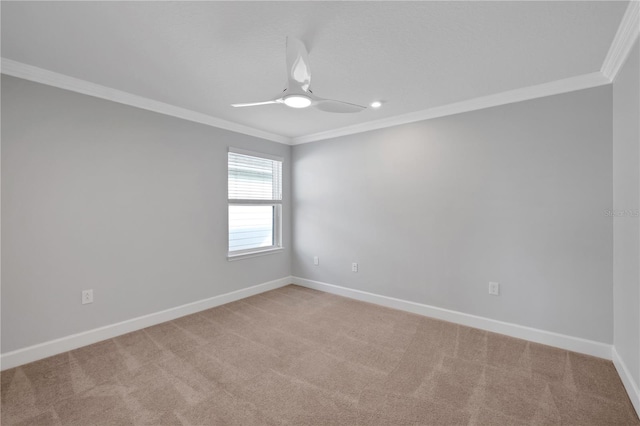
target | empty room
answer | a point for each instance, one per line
(320, 213)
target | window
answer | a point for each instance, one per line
(255, 203)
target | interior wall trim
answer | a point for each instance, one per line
(571, 343)
(627, 380)
(623, 41)
(74, 341)
(43, 76)
(62, 81)
(585, 81)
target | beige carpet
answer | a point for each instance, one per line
(297, 356)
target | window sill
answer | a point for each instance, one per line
(256, 253)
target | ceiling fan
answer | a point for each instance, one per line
(297, 94)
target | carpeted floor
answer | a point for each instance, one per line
(298, 356)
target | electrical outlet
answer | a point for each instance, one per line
(354, 267)
(87, 296)
(316, 260)
(494, 289)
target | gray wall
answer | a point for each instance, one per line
(133, 204)
(626, 229)
(432, 211)
(124, 201)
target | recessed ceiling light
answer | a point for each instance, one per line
(376, 104)
(297, 101)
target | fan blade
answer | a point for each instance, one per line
(298, 69)
(275, 101)
(330, 105)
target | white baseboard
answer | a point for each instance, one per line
(54, 347)
(575, 344)
(627, 380)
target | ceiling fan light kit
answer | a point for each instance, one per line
(297, 101)
(297, 94)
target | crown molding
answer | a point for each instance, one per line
(623, 41)
(40, 75)
(579, 82)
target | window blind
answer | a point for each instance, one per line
(254, 178)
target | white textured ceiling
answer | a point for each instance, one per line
(411, 55)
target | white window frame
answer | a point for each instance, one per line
(277, 212)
